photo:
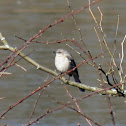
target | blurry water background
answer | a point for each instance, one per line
(25, 18)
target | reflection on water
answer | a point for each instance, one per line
(24, 19)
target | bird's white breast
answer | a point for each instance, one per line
(62, 63)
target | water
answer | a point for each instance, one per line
(26, 18)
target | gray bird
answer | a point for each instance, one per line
(65, 62)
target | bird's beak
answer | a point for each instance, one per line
(54, 51)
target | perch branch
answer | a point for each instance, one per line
(63, 79)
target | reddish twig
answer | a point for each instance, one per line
(108, 100)
(38, 98)
(60, 107)
(40, 88)
(77, 105)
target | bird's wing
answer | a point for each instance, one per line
(73, 64)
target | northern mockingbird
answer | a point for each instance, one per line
(65, 62)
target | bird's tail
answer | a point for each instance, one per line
(76, 78)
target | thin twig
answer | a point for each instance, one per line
(79, 30)
(121, 60)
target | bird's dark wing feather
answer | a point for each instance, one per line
(73, 64)
(75, 72)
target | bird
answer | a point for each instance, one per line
(65, 62)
